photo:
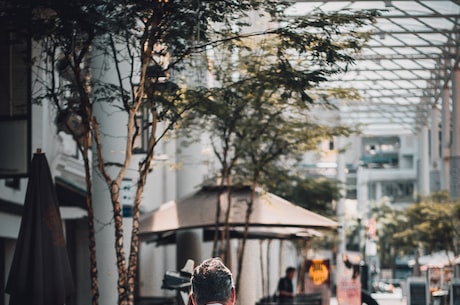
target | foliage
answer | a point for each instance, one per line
(258, 112)
(122, 54)
(316, 194)
(127, 55)
(432, 224)
(260, 104)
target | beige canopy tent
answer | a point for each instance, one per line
(271, 217)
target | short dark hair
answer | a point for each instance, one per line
(211, 281)
(289, 269)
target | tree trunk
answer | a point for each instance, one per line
(91, 231)
(262, 273)
(134, 247)
(303, 268)
(245, 234)
(225, 242)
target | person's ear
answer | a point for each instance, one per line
(232, 299)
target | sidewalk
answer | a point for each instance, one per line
(383, 299)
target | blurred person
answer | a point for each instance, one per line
(366, 297)
(285, 285)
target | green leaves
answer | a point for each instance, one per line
(433, 224)
(315, 194)
(430, 224)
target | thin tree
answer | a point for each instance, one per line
(146, 43)
(151, 39)
(262, 115)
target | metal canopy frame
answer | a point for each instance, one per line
(410, 57)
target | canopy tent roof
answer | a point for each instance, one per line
(279, 217)
(435, 260)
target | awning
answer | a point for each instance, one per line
(198, 210)
(434, 260)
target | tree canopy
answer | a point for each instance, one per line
(426, 226)
(432, 224)
(258, 111)
(316, 194)
(129, 55)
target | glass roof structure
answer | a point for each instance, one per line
(412, 53)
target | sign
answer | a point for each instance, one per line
(317, 280)
(318, 271)
(126, 197)
(349, 291)
(348, 286)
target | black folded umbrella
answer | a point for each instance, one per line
(40, 273)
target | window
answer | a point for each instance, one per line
(14, 104)
(397, 191)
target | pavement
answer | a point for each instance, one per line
(390, 298)
(383, 299)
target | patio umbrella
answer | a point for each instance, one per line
(40, 272)
(259, 233)
(434, 260)
(271, 214)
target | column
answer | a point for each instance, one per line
(445, 140)
(113, 132)
(341, 176)
(378, 190)
(435, 184)
(424, 164)
(251, 276)
(455, 148)
(190, 175)
(188, 180)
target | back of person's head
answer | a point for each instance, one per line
(290, 269)
(212, 282)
